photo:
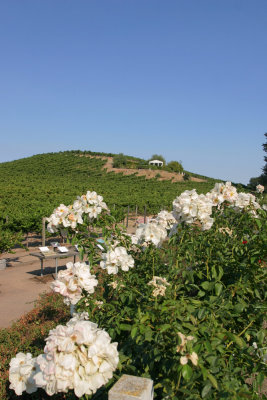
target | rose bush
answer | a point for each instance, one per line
(184, 298)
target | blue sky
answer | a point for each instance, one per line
(183, 78)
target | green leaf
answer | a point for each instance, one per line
(258, 222)
(221, 272)
(239, 341)
(206, 285)
(260, 379)
(239, 308)
(201, 313)
(213, 380)
(257, 294)
(134, 331)
(193, 319)
(144, 318)
(148, 335)
(213, 272)
(164, 327)
(187, 372)
(125, 327)
(204, 372)
(261, 336)
(206, 390)
(158, 385)
(218, 288)
(208, 346)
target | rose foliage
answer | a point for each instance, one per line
(184, 298)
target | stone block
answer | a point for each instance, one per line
(131, 387)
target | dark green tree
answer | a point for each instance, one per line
(264, 169)
(262, 179)
(119, 161)
(175, 166)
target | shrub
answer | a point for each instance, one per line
(9, 239)
(119, 161)
(142, 165)
(180, 295)
(186, 177)
(175, 166)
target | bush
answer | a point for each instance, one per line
(216, 282)
(120, 161)
(182, 307)
(142, 165)
(186, 176)
(175, 166)
(9, 239)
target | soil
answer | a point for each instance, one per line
(21, 282)
(148, 173)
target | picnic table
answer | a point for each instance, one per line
(54, 256)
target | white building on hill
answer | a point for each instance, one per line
(156, 163)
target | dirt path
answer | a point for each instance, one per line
(149, 174)
(21, 281)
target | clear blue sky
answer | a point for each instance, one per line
(183, 78)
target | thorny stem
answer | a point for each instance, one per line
(241, 333)
(207, 269)
(179, 380)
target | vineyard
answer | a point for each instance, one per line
(32, 187)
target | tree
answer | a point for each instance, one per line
(175, 166)
(264, 169)
(119, 161)
(262, 179)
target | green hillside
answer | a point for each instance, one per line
(32, 187)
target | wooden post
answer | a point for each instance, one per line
(145, 215)
(130, 387)
(43, 231)
(127, 220)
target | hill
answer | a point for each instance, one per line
(30, 188)
(160, 173)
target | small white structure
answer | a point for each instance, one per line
(156, 163)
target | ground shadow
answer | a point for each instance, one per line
(46, 270)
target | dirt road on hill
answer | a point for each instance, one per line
(149, 174)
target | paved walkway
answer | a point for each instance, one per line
(21, 283)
